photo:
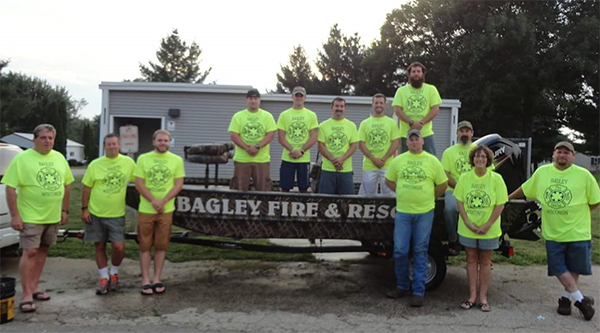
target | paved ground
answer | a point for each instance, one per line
(253, 296)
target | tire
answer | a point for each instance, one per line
(436, 266)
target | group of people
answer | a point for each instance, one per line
(474, 195)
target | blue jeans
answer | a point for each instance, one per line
(417, 227)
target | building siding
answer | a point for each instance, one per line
(204, 118)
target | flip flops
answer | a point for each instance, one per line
(26, 310)
(467, 305)
(147, 290)
(485, 307)
(156, 286)
(41, 296)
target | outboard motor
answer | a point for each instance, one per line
(508, 160)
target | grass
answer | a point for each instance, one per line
(76, 248)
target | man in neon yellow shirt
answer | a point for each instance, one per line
(418, 178)
(42, 177)
(103, 209)
(416, 104)
(337, 139)
(455, 161)
(568, 193)
(158, 178)
(297, 133)
(252, 130)
(379, 140)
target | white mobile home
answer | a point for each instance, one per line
(200, 113)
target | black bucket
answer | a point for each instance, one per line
(7, 299)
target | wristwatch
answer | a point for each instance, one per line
(410, 123)
(84, 207)
(302, 152)
(257, 146)
(65, 211)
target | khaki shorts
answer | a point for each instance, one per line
(34, 234)
(154, 229)
(259, 172)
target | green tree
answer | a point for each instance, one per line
(297, 73)
(178, 62)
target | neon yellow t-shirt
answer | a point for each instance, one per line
(480, 195)
(416, 176)
(378, 133)
(416, 104)
(108, 179)
(159, 172)
(297, 125)
(565, 197)
(455, 160)
(252, 128)
(337, 135)
(40, 182)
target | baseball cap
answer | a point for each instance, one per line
(252, 93)
(565, 144)
(299, 90)
(465, 123)
(414, 131)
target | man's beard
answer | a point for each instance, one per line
(464, 140)
(416, 82)
(162, 149)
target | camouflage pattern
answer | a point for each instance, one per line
(210, 159)
(262, 215)
(215, 149)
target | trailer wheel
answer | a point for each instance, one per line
(436, 266)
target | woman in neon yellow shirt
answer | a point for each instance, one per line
(481, 195)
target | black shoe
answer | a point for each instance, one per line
(416, 301)
(586, 307)
(564, 306)
(398, 293)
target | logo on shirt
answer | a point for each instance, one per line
(416, 104)
(558, 196)
(49, 179)
(377, 138)
(253, 132)
(158, 175)
(413, 175)
(478, 199)
(114, 181)
(336, 141)
(297, 132)
(462, 165)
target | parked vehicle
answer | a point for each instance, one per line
(8, 236)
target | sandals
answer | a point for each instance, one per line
(147, 290)
(485, 307)
(31, 305)
(41, 296)
(158, 285)
(467, 305)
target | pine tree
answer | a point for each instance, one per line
(297, 73)
(178, 62)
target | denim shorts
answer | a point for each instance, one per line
(477, 243)
(336, 182)
(102, 230)
(288, 171)
(574, 257)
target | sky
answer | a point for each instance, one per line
(78, 44)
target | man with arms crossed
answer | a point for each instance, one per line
(379, 140)
(158, 178)
(418, 178)
(252, 129)
(297, 133)
(42, 177)
(416, 104)
(568, 193)
(337, 143)
(455, 161)
(103, 209)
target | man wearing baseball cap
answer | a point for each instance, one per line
(568, 193)
(297, 133)
(455, 161)
(252, 129)
(418, 178)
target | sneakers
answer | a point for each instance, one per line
(564, 306)
(416, 301)
(398, 293)
(114, 282)
(586, 307)
(103, 287)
